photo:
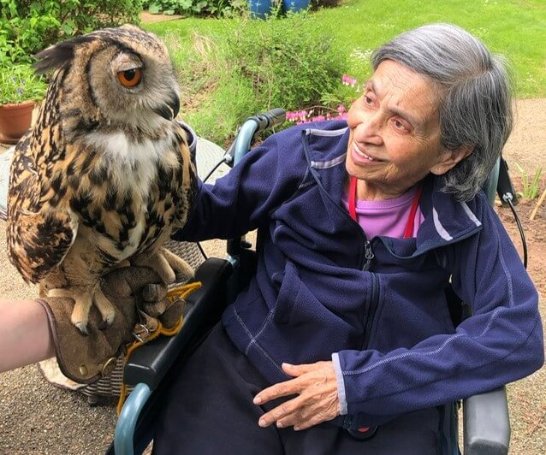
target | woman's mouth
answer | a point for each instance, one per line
(362, 157)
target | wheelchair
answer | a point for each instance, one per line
(486, 426)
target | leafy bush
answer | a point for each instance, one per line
(28, 26)
(225, 8)
(259, 65)
(218, 8)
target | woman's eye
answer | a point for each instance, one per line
(401, 125)
(368, 100)
(130, 78)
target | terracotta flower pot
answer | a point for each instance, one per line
(15, 120)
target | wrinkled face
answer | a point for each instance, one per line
(395, 133)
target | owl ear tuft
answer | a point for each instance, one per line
(59, 54)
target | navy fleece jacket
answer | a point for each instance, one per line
(376, 307)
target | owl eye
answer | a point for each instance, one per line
(130, 78)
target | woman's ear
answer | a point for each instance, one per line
(449, 158)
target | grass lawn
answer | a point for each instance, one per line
(514, 28)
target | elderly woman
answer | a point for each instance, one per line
(343, 341)
(361, 227)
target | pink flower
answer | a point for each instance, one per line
(316, 114)
(348, 80)
(294, 116)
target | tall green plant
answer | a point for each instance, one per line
(20, 83)
(530, 182)
(258, 65)
(28, 26)
(283, 63)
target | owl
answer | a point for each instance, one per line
(105, 174)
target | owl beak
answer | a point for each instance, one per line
(170, 109)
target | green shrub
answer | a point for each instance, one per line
(28, 26)
(19, 84)
(257, 65)
(218, 8)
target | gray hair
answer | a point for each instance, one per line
(474, 86)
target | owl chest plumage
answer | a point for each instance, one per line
(125, 194)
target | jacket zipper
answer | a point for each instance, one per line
(371, 313)
(369, 257)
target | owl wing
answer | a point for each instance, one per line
(40, 228)
(187, 188)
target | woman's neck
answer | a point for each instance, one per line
(369, 192)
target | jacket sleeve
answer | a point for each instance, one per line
(501, 342)
(242, 200)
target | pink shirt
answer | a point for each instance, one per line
(388, 217)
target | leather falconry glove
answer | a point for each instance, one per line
(139, 298)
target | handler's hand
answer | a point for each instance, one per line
(86, 358)
(317, 400)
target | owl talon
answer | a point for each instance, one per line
(109, 319)
(167, 265)
(82, 328)
(105, 308)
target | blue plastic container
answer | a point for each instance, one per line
(295, 5)
(259, 9)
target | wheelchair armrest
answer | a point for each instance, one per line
(486, 424)
(149, 363)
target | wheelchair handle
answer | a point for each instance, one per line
(270, 118)
(248, 130)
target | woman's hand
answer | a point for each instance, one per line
(316, 399)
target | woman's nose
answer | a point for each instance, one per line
(369, 128)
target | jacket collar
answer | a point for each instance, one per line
(446, 219)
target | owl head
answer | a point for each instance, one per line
(115, 78)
